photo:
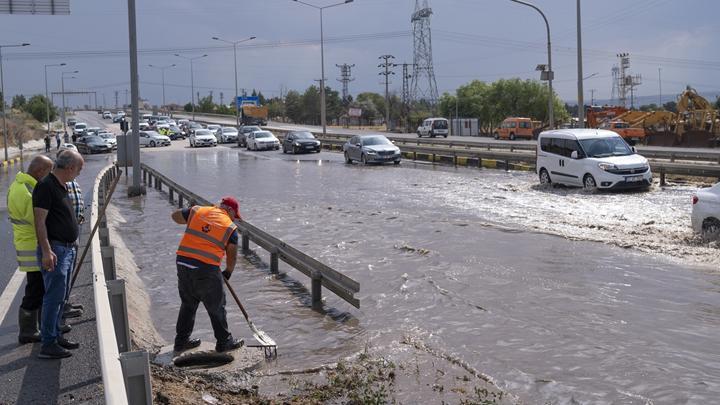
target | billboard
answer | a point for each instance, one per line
(248, 100)
(355, 112)
(39, 7)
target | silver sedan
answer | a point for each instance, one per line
(371, 149)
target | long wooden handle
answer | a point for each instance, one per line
(95, 228)
(227, 283)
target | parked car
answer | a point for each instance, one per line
(192, 126)
(109, 139)
(301, 141)
(92, 130)
(514, 127)
(202, 137)
(173, 132)
(153, 139)
(244, 131)
(590, 158)
(182, 123)
(71, 122)
(79, 128)
(371, 149)
(228, 134)
(433, 127)
(705, 216)
(262, 140)
(92, 144)
(107, 115)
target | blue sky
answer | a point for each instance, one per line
(472, 39)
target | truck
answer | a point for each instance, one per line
(624, 129)
(254, 115)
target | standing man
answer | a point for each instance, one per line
(47, 142)
(78, 204)
(20, 211)
(210, 234)
(57, 232)
(57, 139)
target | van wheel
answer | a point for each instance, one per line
(710, 229)
(363, 159)
(512, 136)
(496, 135)
(545, 178)
(589, 182)
(152, 144)
(445, 135)
(419, 134)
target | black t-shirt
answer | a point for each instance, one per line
(51, 194)
(197, 264)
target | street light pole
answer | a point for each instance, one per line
(2, 100)
(62, 81)
(550, 72)
(322, 59)
(192, 80)
(162, 70)
(581, 100)
(234, 44)
(47, 98)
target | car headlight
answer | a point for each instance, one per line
(370, 152)
(607, 166)
(296, 144)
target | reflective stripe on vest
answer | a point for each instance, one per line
(29, 264)
(20, 221)
(27, 260)
(206, 235)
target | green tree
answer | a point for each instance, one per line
(18, 102)
(37, 107)
(311, 106)
(206, 105)
(649, 107)
(334, 108)
(717, 103)
(670, 106)
(188, 107)
(294, 106)
(276, 108)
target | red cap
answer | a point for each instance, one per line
(233, 204)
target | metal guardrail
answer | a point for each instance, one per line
(320, 274)
(117, 363)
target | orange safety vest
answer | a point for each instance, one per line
(207, 234)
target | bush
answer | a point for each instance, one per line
(37, 108)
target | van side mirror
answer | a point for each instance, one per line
(574, 155)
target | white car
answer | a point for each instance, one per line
(215, 129)
(433, 127)
(228, 134)
(202, 137)
(590, 158)
(705, 216)
(79, 128)
(107, 115)
(109, 139)
(262, 140)
(153, 139)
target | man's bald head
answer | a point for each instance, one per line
(40, 166)
(68, 165)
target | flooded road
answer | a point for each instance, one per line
(482, 267)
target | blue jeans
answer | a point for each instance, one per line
(56, 287)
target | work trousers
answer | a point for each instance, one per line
(201, 285)
(56, 285)
(34, 291)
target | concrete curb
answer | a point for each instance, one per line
(10, 162)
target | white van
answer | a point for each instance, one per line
(590, 158)
(433, 127)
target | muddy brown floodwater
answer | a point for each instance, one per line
(558, 295)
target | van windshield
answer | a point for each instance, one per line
(605, 147)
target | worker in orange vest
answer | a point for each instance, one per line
(210, 234)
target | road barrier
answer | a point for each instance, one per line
(320, 274)
(113, 330)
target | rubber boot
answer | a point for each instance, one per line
(28, 323)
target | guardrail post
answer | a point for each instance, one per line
(180, 200)
(136, 373)
(274, 262)
(118, 308)
(104, 237)
(144, 174)
(316, 290)
(245, 242)
(108, 261)
(507, 165)
(662, 176)
(170, 195)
